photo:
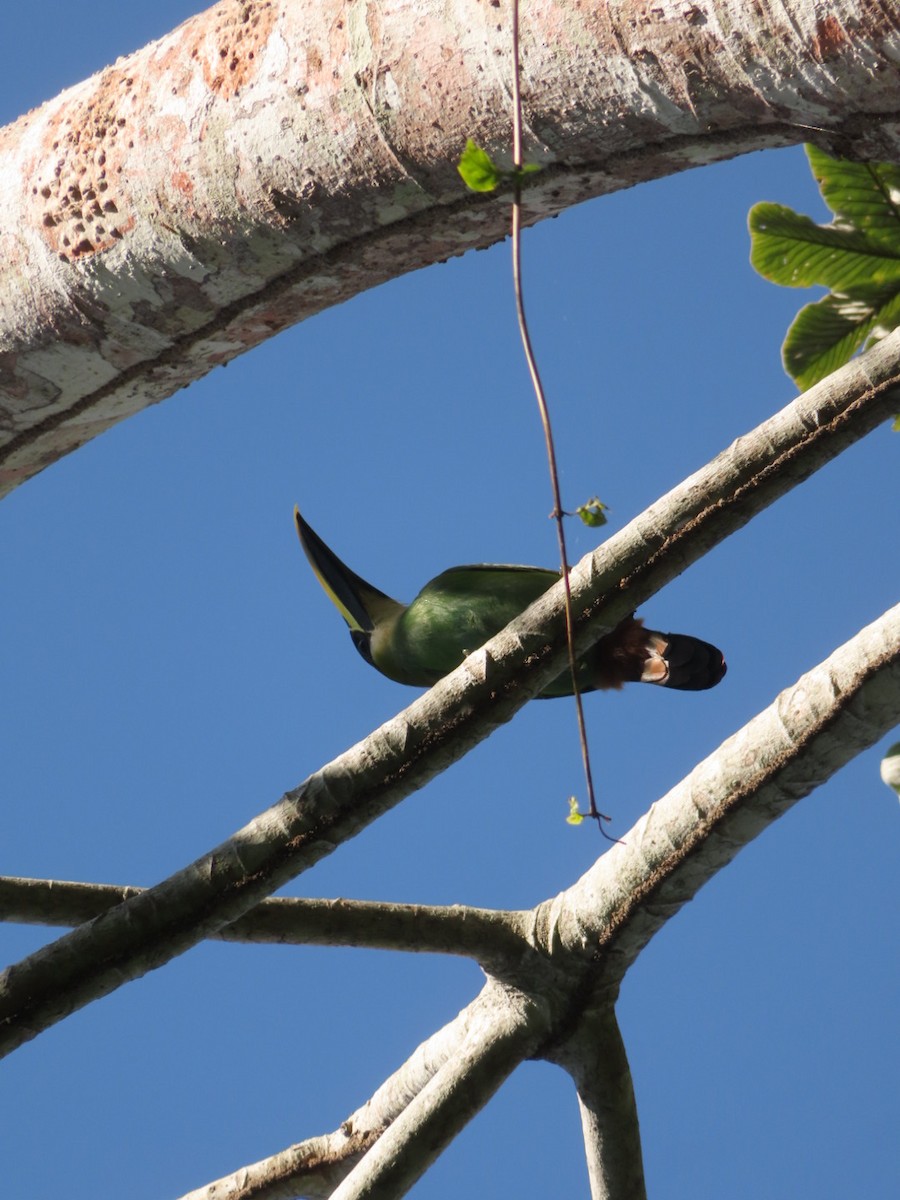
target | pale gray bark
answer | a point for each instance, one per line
(138, 255)
(555, 993)
(595, 1057)
(507, 1028)
(265, 161)
(315, 1167)
(834, 712)
(561, 964)
(479, 933)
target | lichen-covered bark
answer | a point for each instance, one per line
(270, 158)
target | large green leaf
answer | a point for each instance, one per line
(862, 194)
(825, 335)
(793, 250)
(857, 256)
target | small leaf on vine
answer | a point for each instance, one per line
(481, 174)
(526, 169)
(592, 513)
(478, 170)
(574, 817)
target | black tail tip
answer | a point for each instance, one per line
(694, 665)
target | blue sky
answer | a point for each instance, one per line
(171, 666)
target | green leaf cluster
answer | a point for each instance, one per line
(481, 174)
(857, 256)
(593, 512)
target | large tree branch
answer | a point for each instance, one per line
(577, 946)
(461, 710)
(305, 150)
(833, 712)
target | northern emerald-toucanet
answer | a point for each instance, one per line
(463, 607)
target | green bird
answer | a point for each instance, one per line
(460, 609)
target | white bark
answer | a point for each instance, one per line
(561, 964)
(559, 985)
(313, 1168)
(595, 1058)
(501, 1032)
(831, 714)
(479, 933)
(267, 160)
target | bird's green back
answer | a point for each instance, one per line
(453, 615)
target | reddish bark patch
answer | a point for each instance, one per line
(229, 52)
(182, 182)
(83, 203)
(92, 148)
(829, 40)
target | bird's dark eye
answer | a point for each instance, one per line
(361, 641)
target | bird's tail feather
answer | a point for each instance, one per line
(632, 653)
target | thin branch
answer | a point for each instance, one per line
(506, 1033)
(479, 933)
(311, 1168)
(461, 710)
(595, 1057)
(474, 1048)
(314, 1167)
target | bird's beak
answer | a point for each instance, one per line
(358, 602)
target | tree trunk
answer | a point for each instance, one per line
(266, 160)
